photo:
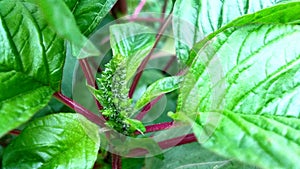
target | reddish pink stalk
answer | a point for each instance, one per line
(89, 77)
(157, 127)
(116, 161)
(147, 108)
(15, 132)
(138, 9)
(145, 61)
(79, 109)
(166, 144)
(169, 64)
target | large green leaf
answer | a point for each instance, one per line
(25, 73)
(195, 19)
(133, 41)
(64, 140)
(53, 45)
(193, 156)
(251, 74)
(62, 20)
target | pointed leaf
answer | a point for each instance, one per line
(62, 140)
(251, 75)
(161, 86)
(195, 19)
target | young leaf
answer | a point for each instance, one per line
(248, 76)
(61, 19)
(195, 19)
(132, 41)
(62, 140)
(159, 87)
(25, 75)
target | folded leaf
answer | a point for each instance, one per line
(251, 75)
(62, 140)
(161, 86)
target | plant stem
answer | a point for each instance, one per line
(157, 127)
(189, 138)
(144, 19)
(116, 161)
(145, 61)
(15, 132)
(79, 109)
(147, 108)
(89, 77)
(169, 64)
(163, 11)
(138, 9)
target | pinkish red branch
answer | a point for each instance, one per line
(79, 109)
(189, 138)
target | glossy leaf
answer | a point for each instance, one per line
(64, 140)
(54, 46)
(161, 86)
(195, 19)
(132, 41)
(61, 19)
(24, 67)
(89, 13)
(254, 84)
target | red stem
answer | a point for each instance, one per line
(145, 61)
(157, 127)
(163, 11)
(169, 64)
(147, 108)
(189, 138)
(89, 77)
(79, 109)
(138, 9)
(116, 161)
(15, 132)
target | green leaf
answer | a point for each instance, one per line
(263, 140)
(251, 75)
(64, 140)
(286, 13)
(89, 13)
(193, 156)
(161, 86)
(135, 125)
(195, 19)
(54, 46)
(61, 19)
(25, 74)
(133, 41)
